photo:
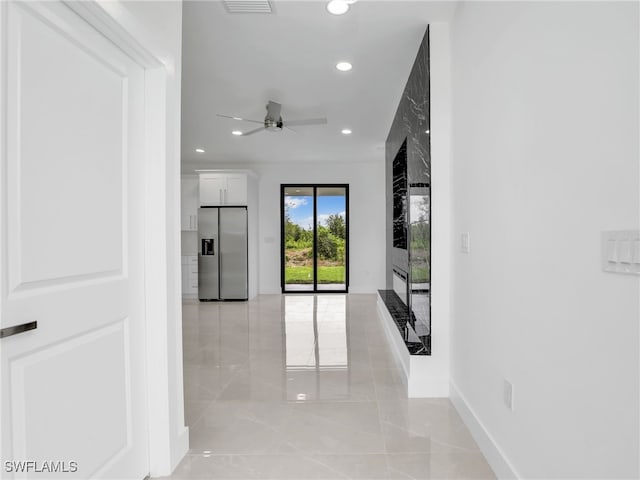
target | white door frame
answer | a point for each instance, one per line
(168, 436)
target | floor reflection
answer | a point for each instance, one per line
(420, 306)
(317, 355)
(306, 387)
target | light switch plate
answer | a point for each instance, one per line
(621, 252)
(612, 251)
(465, 246)
(636, 252)
(508, 394)
(624, 251)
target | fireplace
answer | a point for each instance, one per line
(401, 285)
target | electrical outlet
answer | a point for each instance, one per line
(508, 394)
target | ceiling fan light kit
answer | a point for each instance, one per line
(273, 121)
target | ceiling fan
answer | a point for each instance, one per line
(273, 121)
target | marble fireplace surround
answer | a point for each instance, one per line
(407, 316)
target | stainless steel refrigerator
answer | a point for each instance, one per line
(222, 259)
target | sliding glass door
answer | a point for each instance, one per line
(331, 238)
(298, 237)
(315, 238)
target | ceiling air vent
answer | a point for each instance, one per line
(248, 6)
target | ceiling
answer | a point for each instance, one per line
(234, 63)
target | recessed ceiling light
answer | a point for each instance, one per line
(199, 150)
(338, 7)
(344, 66)
(346, 131)
(236, 132)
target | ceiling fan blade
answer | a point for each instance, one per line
(308, 121)
(239, 118)
(273, 110)
(251, 132)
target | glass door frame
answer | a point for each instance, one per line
(315, 187)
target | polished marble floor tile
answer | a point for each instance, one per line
(306, 387)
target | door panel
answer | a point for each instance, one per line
(212, 189)
(331, 234)
(236, 190)
(233, 253)
(94, 372)
(298, 238)
(51, 219)
(72, 231)
(208, 277)
(208, 254)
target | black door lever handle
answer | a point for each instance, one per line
(16, 329)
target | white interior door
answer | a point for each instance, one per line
(72, 257)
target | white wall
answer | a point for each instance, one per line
(366, 216)
(545, 148)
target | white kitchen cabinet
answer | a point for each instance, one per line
(223, 189)
(236, 193)
(189, 203)
(212, 187)
(190, 276)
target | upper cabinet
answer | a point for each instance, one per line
(223, 189)
(189, 203)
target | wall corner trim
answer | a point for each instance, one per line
(496, 458)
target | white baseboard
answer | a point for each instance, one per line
(181, 448)
(422, 384)
(363, 290)
(498, 461)
(400, 351)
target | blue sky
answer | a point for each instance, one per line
(301, 209)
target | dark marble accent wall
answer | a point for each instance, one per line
(412, 123)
